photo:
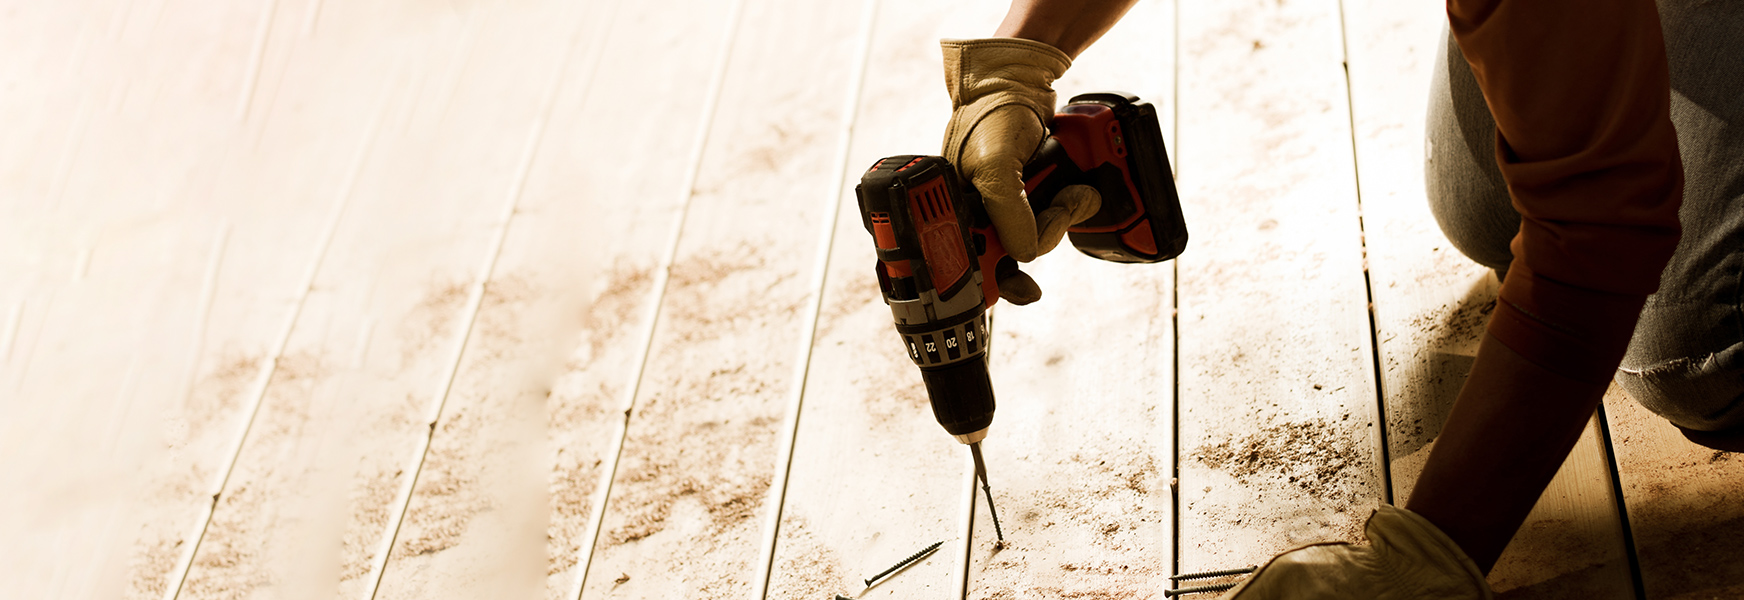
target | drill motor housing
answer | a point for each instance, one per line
(938, 254)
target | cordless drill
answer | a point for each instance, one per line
(939, 257)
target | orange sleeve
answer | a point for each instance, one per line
(1581, 95)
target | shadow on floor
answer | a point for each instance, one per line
(1728, 441)
(1433, 384)
(1701, 560)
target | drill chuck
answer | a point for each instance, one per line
(970, 389)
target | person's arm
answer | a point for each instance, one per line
(1581, 96)
(1070, 25)
(1510, 430)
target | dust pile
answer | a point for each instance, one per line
(447, 495)
(431, 323)
(580, 403)
(227, 565)
(424, 336)
(229, 562)
(222, 389)
(808, 564)
(199, 427)
(1426, 362)
(484, 434)
(609, 315)
(372, 503)
(150, 569)
(1455, 325)
(661, 464)
(1314, 457)
(702, 440)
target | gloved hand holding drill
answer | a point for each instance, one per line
(1001, 104)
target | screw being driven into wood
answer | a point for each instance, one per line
(981, 471)
(912, 558)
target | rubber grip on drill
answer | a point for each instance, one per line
(962, 395)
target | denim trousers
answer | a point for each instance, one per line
(1685, 361)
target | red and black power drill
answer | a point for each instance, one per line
(938, 254)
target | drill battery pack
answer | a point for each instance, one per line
(1111, 141)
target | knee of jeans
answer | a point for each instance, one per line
(1704, 393)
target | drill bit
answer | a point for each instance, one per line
(981, 472)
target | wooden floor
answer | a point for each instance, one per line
(569, 299)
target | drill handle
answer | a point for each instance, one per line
(993, 260)
(1048, 171)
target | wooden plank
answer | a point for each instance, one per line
(313, 492)
(1082, 454)
(134, 206)
(1685, 502)
(1431, 305)
(1279, 443)
(701, 449)
(873, 477)
(267, 192)
(505, 499)
(83, 413)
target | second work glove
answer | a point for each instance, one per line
(1001, 104)
(1408, 558)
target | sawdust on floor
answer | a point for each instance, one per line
(424, 336)
(372, 504)
(1315, 457)
(583, 400)
(223, 387)
(701, 444)
(612, 311)
(229, 563)
(1095, 536)
(196, 425)
(431, 323)
(481, 477)
(1302, 482)
(447, 496)
(807, 564)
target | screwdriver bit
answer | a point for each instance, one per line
(981, 472)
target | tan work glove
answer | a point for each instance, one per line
(1000, 107)
(1407, 558)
